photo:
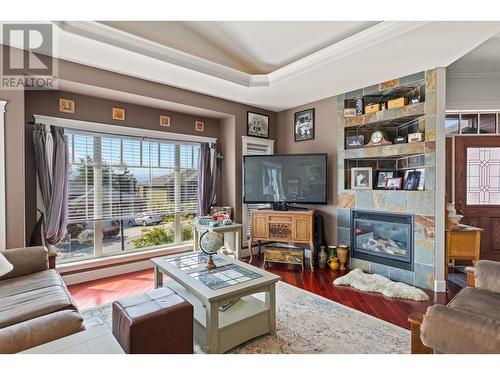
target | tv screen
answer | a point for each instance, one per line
(295, 178)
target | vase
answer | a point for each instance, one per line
(342, 252)
(333, 262)
(322, 257)
(332, 251)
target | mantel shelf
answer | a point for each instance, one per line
(389, 116)
(395, 150)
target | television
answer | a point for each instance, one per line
(285, 179)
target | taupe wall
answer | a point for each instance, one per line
(14, 171)
(96, 110)
(325, 141)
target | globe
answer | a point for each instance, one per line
(210, 243)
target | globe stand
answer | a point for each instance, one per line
(210, 263)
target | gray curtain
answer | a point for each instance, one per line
(52, 164)
(205, 181)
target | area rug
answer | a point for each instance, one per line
(380, 284)
(307, 323)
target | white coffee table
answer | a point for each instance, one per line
(219, 331)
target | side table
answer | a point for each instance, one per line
(231, 233)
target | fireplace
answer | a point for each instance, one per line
(383, 237)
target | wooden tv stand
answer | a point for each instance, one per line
(283, 226)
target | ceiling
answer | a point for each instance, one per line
(272, 65)
(485, 59)
(258, 47)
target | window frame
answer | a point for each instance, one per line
(104, 130)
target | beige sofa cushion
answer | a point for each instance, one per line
(33, 303)
(34, 281)
(26, 260)
(477, 301)
(39, 331)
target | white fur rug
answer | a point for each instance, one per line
(380, 284)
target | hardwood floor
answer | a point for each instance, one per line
(396, 311)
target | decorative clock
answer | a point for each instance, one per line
(378, 138)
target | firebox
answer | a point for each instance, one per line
(383, 237)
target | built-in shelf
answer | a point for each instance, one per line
(388, 151)
(391, 117)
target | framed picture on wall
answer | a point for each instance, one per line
(165, 121)
(118, 114)
(66, 105)
(257, 125)
(304, 125)
(199, 126)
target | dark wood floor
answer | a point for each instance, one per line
(320, 282)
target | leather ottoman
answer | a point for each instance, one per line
(157, 322)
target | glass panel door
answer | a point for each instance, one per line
(483, 175)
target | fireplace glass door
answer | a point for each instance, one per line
(383, 237)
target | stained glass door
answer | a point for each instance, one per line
(477, 188)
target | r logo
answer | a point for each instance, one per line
(36, 42)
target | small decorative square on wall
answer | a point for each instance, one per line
(199, 126)
(66, 105)
(118, 114)
(257, 125)
(304, 125)
(165, 121)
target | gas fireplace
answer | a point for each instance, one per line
(382, 237)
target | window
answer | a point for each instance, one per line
(483, 175)
(128, 194)
(472, 123)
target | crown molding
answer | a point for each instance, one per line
(382, 32)
(473, 74)
(109, 35)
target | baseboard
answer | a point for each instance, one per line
(439, 286)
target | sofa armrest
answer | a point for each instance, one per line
(38, 331)
(453, 331)
(26, 260)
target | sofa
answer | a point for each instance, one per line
(35, 305)
(470, 323)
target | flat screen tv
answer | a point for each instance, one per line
(285, 179)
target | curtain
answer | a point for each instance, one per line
(205, 181)
(52, 164)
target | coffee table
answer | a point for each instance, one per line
(210, 291)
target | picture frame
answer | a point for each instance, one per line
(199, 126)
(411, 180)
(118, 114)
(393, 183)
(362, 178)
(349, 112)
(257, 125)
(382, 176)
(66, 105)
(399, 140)
(304, 125)
(421, 181)
(165, 121)
(354, 141)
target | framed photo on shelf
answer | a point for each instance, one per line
(411, 181)
(361, 178)
(393, 183)
(354, 141)
(304, 125)
(257, 125)
(421, 181)
(382, 176)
